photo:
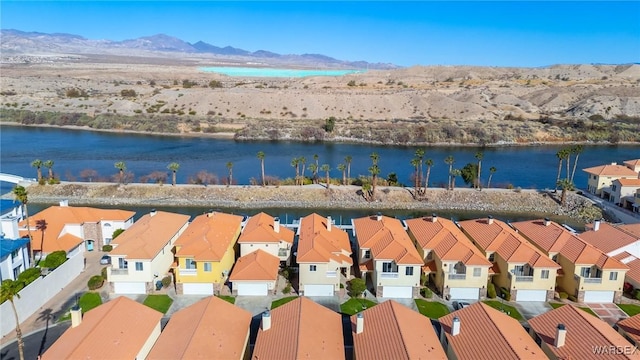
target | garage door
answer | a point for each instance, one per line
(129, 288)
(464, 293)
(403, 292)
(251, 289)
(318, 290)
(598, 296)
(531, 295)
(197, 289)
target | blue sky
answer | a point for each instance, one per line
(404, 33)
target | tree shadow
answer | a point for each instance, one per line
(46, 315)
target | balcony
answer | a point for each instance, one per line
(592, 280)
(457, 276)
(283, 252)
(389, 275)
(332, 274)
(524, 278)
(188, 272)
(117, 271)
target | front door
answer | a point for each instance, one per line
(90, 245)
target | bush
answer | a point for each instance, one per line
(491, 291)
(627, 288)
(53, 181)
(166, 281)
(54, 259)
(341, 286)
(103, 272)
(505, 294)
(28, 276)
(637, 294)
(426, 292)
(351, 83)
(287, 289)
(116, 233)
(95, 282)
(423, 279)
(215, 84)
(107, 248)
(563, 295)
(128, 93)
(356, 287)
(573, 298)
(42, 181)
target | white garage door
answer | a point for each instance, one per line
(197, 289)
(598, 296)
(464, 293)
(531, 295)
(252, 289)
(403, 292)
(129, 288)
(318, 290)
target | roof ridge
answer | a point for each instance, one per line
(397, 323)
(200, 318)
(490, 316)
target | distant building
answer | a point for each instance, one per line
(10, 216)
(601, 177)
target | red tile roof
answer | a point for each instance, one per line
(387, 240)
(301, 329)
(584, 331)
(106, 332)
(257, 265)
(608, 238)
(209, 328)
(260, 229)
(629, 182)
(486, 333)
(632, 164)
(393, 331)
(631, 326)
(209, 236)
(611, 170)
(318, 244)
(633, 229)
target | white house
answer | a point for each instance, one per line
(14, 257)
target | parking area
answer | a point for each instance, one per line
(254, 304)
(608, 312)
(531, 309)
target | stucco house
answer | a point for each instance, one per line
(587, 273)
(14, 257)
(263, 231)
(452, 263)
(255, 274)
(205, 253)
(601, 177)
(521, 268)
(623, 192)
(324, 256)
(386, 253)
(143, 254)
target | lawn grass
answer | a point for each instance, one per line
(431, 309)
(583, 308)
(87, 302)
(513, 312)
(282, 301)
(161, 303)
(227, 298)
(354, 306)
(630, 309)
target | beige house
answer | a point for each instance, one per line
(255, 274)
(623, 192)
(587, 273)
(143, 253)
(601, 177)
(264, 232)
(324, 256)
(520, 268)
(452, 263)
(386, 252)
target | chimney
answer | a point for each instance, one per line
(329, 223)
(276, 224)
(561, 336)
(359, 323)
(490, 220)
(379, 216)
(76, 316)
(64, 203)
(547, 222)
(210, 213)
(596, 225)
(266, 320)
(153, 212)
(455, 326)
(434, 217)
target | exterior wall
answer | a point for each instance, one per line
(36, 294)
(319, 277)
(502, 279)
(271, 248)
(7, 264)
(107, 227)
(605, 284)
(538, 282)
(401, 280)
(9, 227)
(621, 191)
(271, 285)
(596, 183)
(73, 229)
(567, 283)
(633, 249)
(91, 231)
(146, 348)
(469, 281)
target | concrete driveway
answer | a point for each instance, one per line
(410, 303)
(330, 302)
(255, 304)
(531, 309)
(608, 312)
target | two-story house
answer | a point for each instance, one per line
(623, 192)
(523, 270)
(10, 216)
(587, 272)
(452, 263)
(143, 253)
(255, 274)
(14, 257)
(205, 253)
(385, 251)
(601, 177)
(263, 231)
(324, 256)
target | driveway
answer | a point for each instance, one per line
(255, 304)
(330, 302)
(531, 309)
(410, 303)
(608, 312)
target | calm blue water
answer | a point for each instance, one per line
(271, 72)
(75, 150)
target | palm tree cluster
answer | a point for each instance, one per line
(38, 164)
(567, 183)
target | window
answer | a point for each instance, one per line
(367, 254)
(312, 268)
(409, 271)
(613, 275)
(585, 272)
(544, 274)
(107, 241)
(477, 272)
(492, 257)
(139, 266)
(555, 258)
(207, 267)
(190, 264)
(387, 267)
(107, 225)
(122, 263)
(430, 255)
(14, 254)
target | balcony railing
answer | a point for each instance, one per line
(282, 252)
(332, 274)
(457, 276)
(188, 272)
(524, 278)
(117, 271)
(389, 275)
(593, 280)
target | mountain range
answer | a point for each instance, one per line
(16, 42)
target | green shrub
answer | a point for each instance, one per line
(166, 281)
(426, 292)
(103, 272)
(563, 295)
(128, 93)
(287, 289)
(28, 276)
(505, 294)
(215, 84)
(116, 233)
(356, 287)
(491, 291)
(42, 181)
(423, 279)
(53, 181)
(54, 259)
(107, 248)
(351, 83)
(341, 286)
(637, 294)
(95, 282)
(573, 298)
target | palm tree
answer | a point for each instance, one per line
(21, 194)
(314, 170)
(41, 224)
(374, 170)
(326, 169)
(174, 166)
(449, 160)
(49, 165)
(565, 185)
(568, 160)
(121, 166)
(8, 290)
(420, 156)
(429, 163)
(561, 155)
(347, 160)
(454, 173)
(479, 156)
(230, 168)
(343, 167)
(416, 180)
(37, 163)
(295, 163)
(492, 171)
(303, 161)
(261, 157)
(575, 150)
(374, 158)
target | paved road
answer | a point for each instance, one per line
(35, 343)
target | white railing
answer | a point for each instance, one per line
(389, 275)
(592, 280)
(524, 278)
(457, 276)
(332, 274)
(118, 271)
(188, 272)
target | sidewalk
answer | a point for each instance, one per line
(52, 310)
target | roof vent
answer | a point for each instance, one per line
(434, 217)
(64, 203)
(490, 220)
(359, 323)
(329, 223)
(561, 336)
(266, 320)
(596, 225)
(455, 326)
(276, 224)
(76, 316)
(379, 216)
(153, 212)
(547, 222)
